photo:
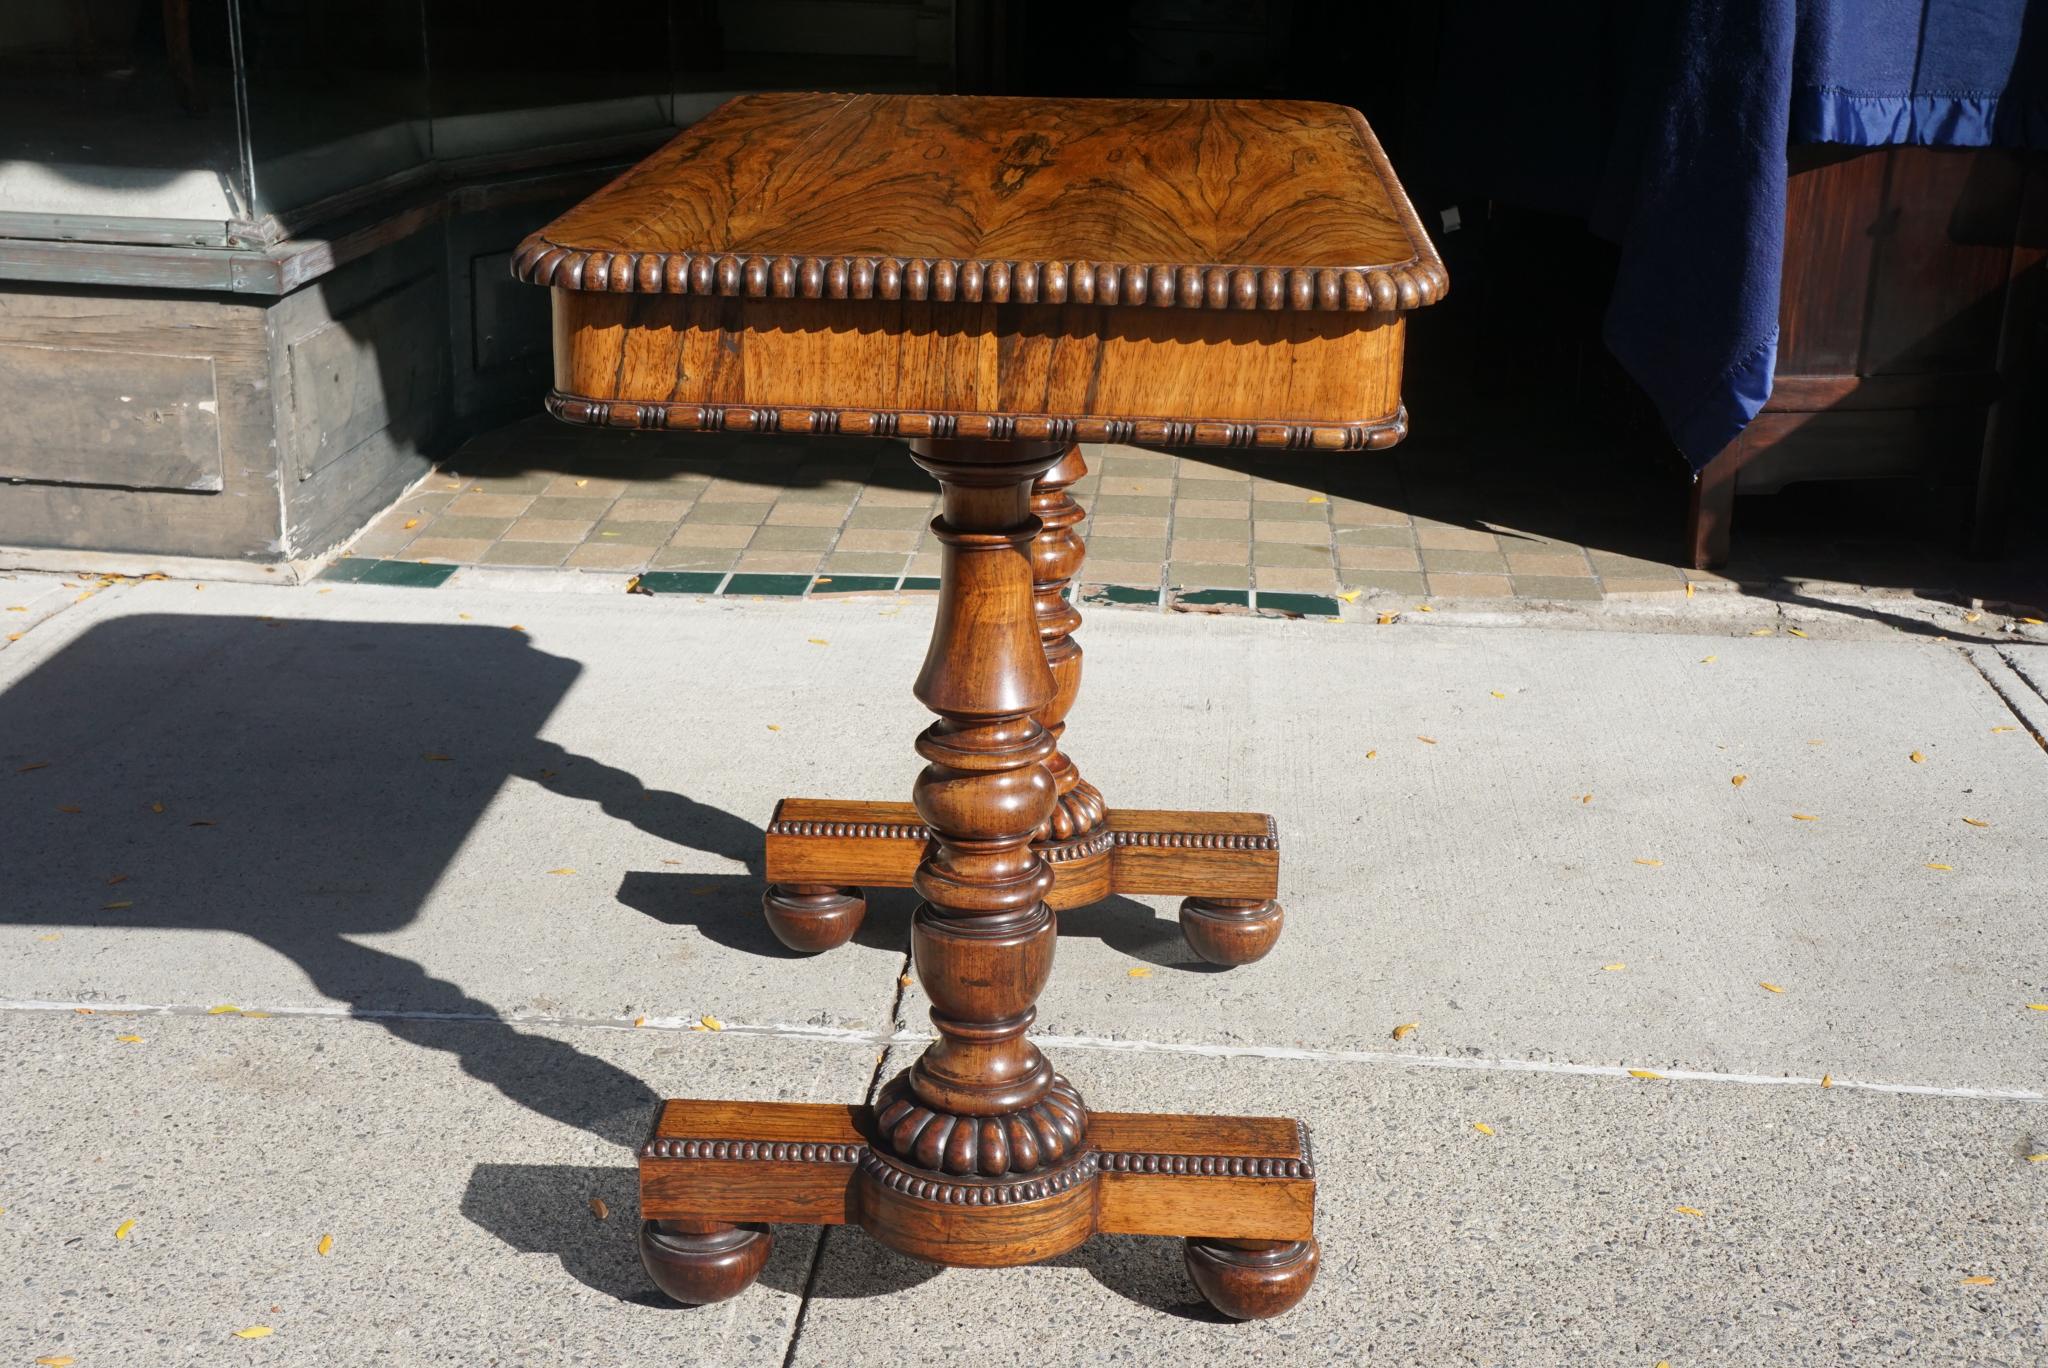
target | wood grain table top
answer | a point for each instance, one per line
(1207, 204)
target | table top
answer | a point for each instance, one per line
(1218, 204)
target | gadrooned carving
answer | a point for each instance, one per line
(1037, 1137)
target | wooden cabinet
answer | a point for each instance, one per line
(1906, 322)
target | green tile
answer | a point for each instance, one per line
(1119, 593)
(853, 584)
(1308, 605)
(410, 574)
(920, 583)
(681, 581)
(349, 570)
(1205, 598)
(778, 586)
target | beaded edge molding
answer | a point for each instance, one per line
(987, 1192)
(1418, 282)
(995, 427)
(908, 831)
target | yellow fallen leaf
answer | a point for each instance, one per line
(156, 807)
(325, 1247)
(1941, 868)
(1804, 817)
(1688, 588)
(563, 870)
(1971, 617)
(1763, 631)
(1406, 1029)
(1614, 968)
(1644, 1073)
(1827, 1080)
(1738, 779)
(33, 765)
(1917, 758)
(1980, 1280)
(465, 617)
(1585, 798)
(1317, 498)
(52, 936)
(113, 879)
(818, 641)
(16, 636)
(410, 523)
(1654, 864)
(1975, 822)
(128, 1040)
(1386, 618)
(56, 1361)
(1482, 1128)
(1708, 660)
(1424, 608)
(581, 483)
(436, 755)
(1426, 740)
(906, 980)
(70, 808)
(515, 627)
(1816, 743)
(640, 1021)
(2031, 622)
(1372, 755)
(1795, 631)
(774, 727)
(2037, 1006)
(204, 821)
(254, 1332)
(2004, 729)
(711, 1023)
(1689, 1211)
(1769, 987)
(1349, 595)
(224, 1009)
(1497, 693)
(599, 1209)
(115, 906)
(2038, 1158)
(1663, 1363)
(1140, 971)
(122, 1230)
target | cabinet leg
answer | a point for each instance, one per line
(1253, 1279)
(700, 1262)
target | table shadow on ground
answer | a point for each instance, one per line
(277, 780)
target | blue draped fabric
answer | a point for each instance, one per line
(1674, 142)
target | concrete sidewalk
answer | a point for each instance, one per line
(364, 892)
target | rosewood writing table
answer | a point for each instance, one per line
(996, 280)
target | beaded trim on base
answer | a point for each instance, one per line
(992, 427)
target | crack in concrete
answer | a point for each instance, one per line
(886, 1039)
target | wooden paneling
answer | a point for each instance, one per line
(91, 416)
(1833, 212)
(1937, 284)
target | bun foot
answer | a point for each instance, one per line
(1253, 1279)
(813, 917)
(1230, 931)
(698, 1268)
